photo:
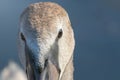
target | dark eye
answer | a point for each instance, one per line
(22, 37)
(60, 33)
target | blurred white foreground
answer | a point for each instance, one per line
(12, 72)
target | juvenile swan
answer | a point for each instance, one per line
(46, 42)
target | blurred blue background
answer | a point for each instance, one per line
(96, 25)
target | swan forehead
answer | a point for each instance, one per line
(43, 17)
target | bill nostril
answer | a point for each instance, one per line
(22, 37)
(46, 63)
(40, 69)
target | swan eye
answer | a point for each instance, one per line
(22, 37)
(60, 33)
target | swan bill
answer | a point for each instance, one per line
(48, 72)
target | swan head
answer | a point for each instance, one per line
(45, 41)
